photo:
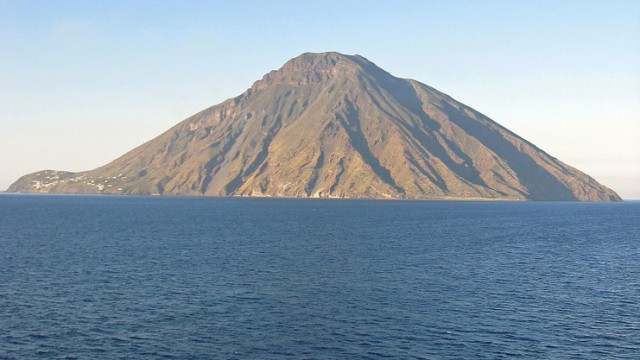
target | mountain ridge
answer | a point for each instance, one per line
(334, 125)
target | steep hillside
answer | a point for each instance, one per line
(332, 125)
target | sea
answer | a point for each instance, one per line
(126, 277)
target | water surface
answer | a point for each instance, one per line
(229, 278)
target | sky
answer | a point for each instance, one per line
(83, 82)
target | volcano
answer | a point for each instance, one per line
(330, 125)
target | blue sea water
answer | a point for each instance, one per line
(226, 278)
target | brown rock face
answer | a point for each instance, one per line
(332, 125)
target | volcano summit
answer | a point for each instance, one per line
(333, 125)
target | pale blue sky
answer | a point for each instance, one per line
(85, 81)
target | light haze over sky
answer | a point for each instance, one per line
(83, 82)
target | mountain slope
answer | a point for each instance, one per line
(332, 125)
